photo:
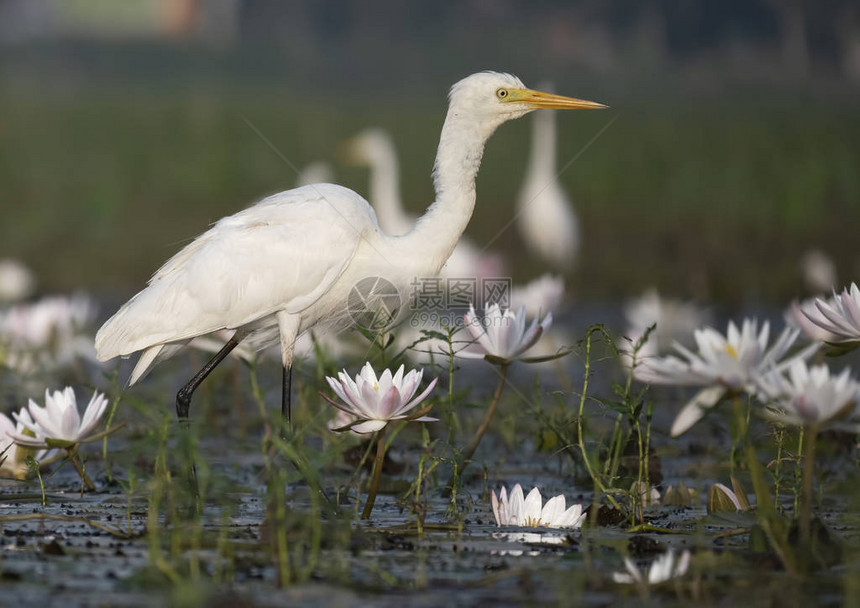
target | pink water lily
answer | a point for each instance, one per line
(531, 512)
(59, 421)
(374, 402)
(502, 333)
(839, 316)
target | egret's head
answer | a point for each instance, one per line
(369, 147)
(497, 97)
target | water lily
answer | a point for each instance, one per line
(58, 423)
(47, 334)
(723, 498)
(839, 315)
(810, 395)
(371, 402)
(797, 315)
(13, 462)
(502, 335)
(810, 398)
(374, 402)
(531, 512)
(662, 569)
(729, 363)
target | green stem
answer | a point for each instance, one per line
(798, 477)
(377, 473)
(763, 499)
(73, 456)
(485, 423)
(780, 440)
(806, 497)
(597, 483)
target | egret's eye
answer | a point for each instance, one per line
(501, 93)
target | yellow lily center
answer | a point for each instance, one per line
(732, 352)
(533, 522)
(376, 387)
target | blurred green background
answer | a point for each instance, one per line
(735, 145)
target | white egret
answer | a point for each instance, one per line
(545, 215)
(276, 269)
(374, 148)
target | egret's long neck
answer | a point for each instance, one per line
(458, 158)
(385, 193)
(542, 160)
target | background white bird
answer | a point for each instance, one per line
(545, 215)
(374, 148)
(317, 172)
(288, 263)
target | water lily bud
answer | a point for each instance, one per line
(682, 496)
(721, 498)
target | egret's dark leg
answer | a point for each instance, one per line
(183, 397)
(285, 394)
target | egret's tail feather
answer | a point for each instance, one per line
(151, 356)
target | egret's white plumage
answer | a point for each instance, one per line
(374, 148)
(288, 263)
(545, 215)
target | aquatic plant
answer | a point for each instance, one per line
(13, 459)
(839, 315)
(58, 424)
(813, 399)
(501, 336)
(372, 402)
(530, 512)
(724, 364)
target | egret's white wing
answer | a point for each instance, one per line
(281, 254)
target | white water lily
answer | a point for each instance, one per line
(14, 459)
(531, 512)
(47, 334)
(58, 423)
(374, 402)
(839, 315)
(502, 334)
(723, 363)
(662, 569)
(811, 395)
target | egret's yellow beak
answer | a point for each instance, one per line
(550, 101)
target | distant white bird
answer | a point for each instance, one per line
(819, 271)
(290, 262)
(375, 149)
(539, 296)
(545, 214)
(318, 172)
